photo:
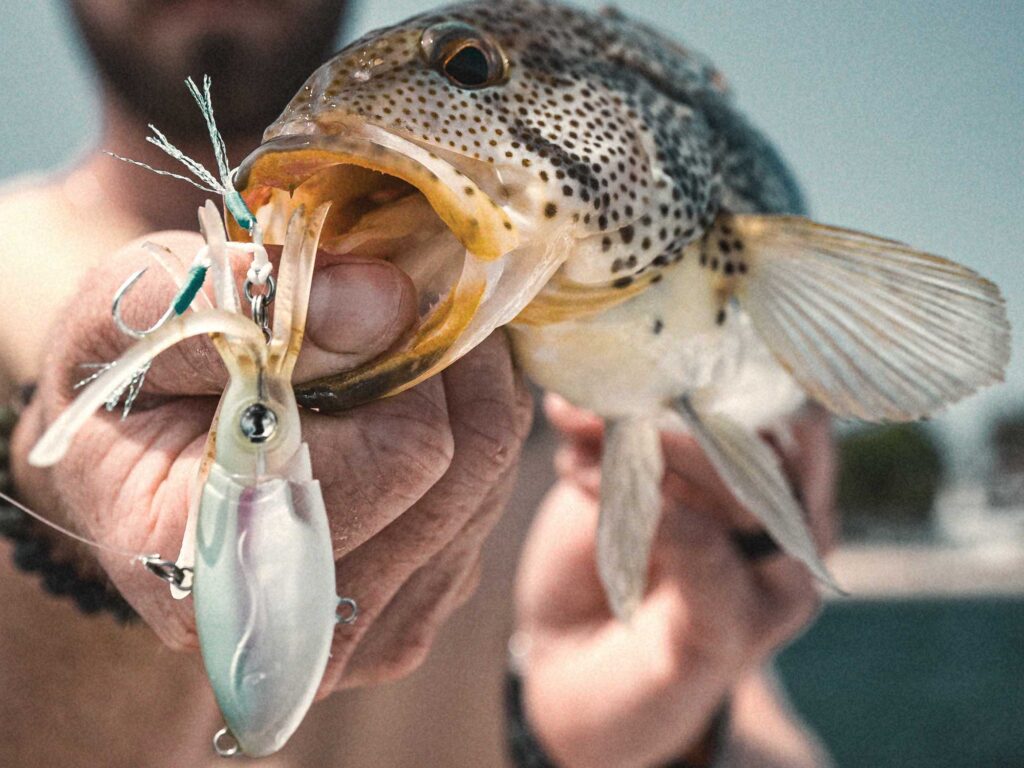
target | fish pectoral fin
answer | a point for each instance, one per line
(631, 471)
(751, 470)
(869, 327)
(439, 338)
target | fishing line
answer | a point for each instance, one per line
(133, 556)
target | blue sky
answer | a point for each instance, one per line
(905, 119)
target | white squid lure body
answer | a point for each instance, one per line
(257, 543)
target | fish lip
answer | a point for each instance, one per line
(473, 215)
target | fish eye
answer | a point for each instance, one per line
(464, 55)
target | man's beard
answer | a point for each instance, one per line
(250, 87)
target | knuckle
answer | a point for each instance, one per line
(804, 604)
(700, 648)
(417, 440)
(180, 638)
(406, 656)
(491, 433)
(797, 602)
(192, 365)
(491, 438)
(175, 629)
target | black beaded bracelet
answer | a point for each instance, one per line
(33, 553)
(526, 751)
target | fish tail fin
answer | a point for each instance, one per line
(631, 471)
(869, 327)
(751, 470)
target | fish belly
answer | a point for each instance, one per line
(669, 341)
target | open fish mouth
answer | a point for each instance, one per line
(391, 199)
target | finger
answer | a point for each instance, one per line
(753, 606)
(580, 468)
(557, 585)
(400, 639)
(580, 427)
(789, 601)
(407, 443)
(703, 591)
(378, 460)
(687, 469)
(583, 469)
(811, 464)
(607, 688)
(358, 308)
(489, 412)
(128, 486)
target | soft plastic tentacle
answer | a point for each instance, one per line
(224, 289)
(55, 443)
(295, 277)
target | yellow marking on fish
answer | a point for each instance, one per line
(563, 299)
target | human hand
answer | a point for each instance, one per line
(602, 693)
(412, 484)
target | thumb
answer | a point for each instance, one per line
(358, 308)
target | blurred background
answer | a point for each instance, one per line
(901, 119)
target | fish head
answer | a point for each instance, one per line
(480, 148)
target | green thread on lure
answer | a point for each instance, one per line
(188, 291)
(259, 271)
(232, 199)
(224, 187)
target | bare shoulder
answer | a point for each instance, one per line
(44, 247)
(28, 196)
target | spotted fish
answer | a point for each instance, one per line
(591, 185)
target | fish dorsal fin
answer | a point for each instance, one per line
(752, 471)
(869, 327)
(631, 471)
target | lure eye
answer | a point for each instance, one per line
(464, 55)
(258, 423)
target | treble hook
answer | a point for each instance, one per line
(181, 302)
(115, 310)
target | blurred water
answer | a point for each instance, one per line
(904, 119)
(914, 683)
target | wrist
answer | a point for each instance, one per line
(527, 751)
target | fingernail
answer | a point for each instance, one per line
(359, 307)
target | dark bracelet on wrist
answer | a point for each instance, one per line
(33, 552)
(526, 751)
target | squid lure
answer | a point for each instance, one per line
(257, 555)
